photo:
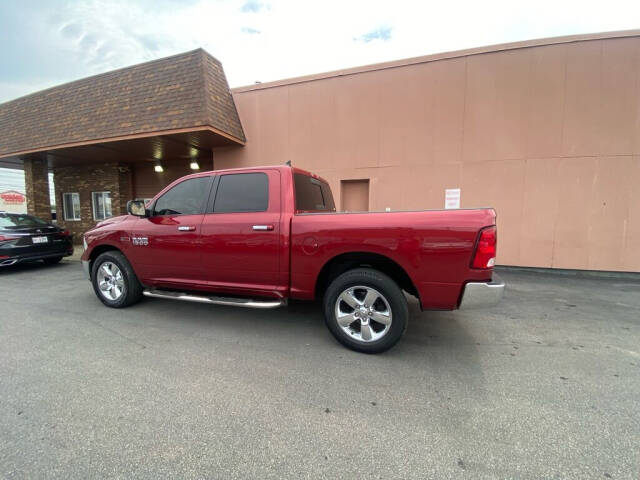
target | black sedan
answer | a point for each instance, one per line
(24, 238)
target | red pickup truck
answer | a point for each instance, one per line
(255, 237)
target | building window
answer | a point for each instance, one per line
(101, 205)
(71, 206)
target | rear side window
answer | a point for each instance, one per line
(242, 192)
(186, 198)
(19, 220)
(312, 194)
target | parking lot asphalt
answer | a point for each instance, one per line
(546, 385)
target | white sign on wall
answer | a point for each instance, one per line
(452, 198)
(13, 202)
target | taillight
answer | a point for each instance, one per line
(7, 238)
(485, 254)
(65, 233)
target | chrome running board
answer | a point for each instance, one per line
(235, 302)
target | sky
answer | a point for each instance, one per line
(45, 42)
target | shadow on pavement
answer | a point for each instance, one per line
(33, 266)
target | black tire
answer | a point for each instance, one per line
(132, 289)
(389, 289)
(51, 261)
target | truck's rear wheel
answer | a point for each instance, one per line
(114, 281)
(365, 310)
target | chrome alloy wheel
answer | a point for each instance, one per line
(110, 281)
(363, 313)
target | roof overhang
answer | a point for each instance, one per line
(187, 143)
(142, 111)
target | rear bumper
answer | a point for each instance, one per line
(31, 257)
(482, 294)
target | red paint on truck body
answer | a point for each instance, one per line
(221, 252)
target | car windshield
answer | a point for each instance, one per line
(19, 220)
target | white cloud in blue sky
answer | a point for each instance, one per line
(44, 43)
(253, 6)
(378, 33)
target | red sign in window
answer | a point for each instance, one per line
(13, 198)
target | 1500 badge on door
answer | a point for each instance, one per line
(142, 241)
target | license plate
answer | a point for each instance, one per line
(39, 239)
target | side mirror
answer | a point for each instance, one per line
(137, 208)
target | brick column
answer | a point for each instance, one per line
(36, 181)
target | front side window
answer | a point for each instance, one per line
(312, 195)
(186, 198)
(101, 205)
(242, 192)
(71, 206)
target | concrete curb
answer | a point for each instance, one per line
(635, 276)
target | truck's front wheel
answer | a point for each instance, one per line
(365, 310)
(114, 281)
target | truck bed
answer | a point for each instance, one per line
(434, 247)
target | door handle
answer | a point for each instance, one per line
(263, 227)
(185, 228)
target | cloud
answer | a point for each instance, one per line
(252, 6)
(250, 31)
(46, 43)
(151, 42)
(379, 33)
(88, 41)
(71, 30)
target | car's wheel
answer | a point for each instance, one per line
(114, 281)
(52, 261)
(366, 310)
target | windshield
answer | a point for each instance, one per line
(19, 220)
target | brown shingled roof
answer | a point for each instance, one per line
(183, 91)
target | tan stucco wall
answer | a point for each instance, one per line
(548, 135)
